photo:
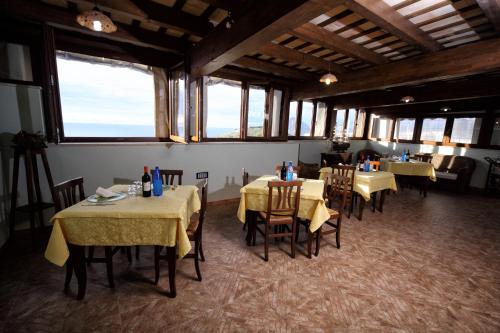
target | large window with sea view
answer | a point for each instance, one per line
(105, 97)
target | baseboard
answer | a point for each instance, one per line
(223, 202)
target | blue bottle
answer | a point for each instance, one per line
(157, 183)
(289, 172)
(366, 167)
(403, 156)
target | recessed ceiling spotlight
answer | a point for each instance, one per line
(445, 108)
(407, 99)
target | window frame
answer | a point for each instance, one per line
(397, 140)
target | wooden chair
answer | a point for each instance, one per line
(168, 176)
(338, 189)
(281, 213)
(195, 232)
(67, 194)
(346, 171)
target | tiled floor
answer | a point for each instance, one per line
(423, 265)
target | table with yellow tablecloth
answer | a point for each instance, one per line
(311, 207)
(135, 220)
(413, 168)
(366, 183)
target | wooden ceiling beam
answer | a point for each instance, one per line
(291, 55)
(465, 88)
(260, 25)
(271, 68)
(491, 9)
(465, 60)
(389, 19)
(64, 19)
(252, 77)
(174, 18)
(314, 34)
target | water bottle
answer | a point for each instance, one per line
(367, 164)
(157, 183)
(403, 156)
(289, 172)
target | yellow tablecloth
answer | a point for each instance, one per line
(312, 206)
(414, 168)
(131, 221)
(366, 183)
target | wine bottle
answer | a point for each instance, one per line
(146, 183)
(283, 172)
(408, 156)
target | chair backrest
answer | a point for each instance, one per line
(337, 187)
(204, 203)
(65, 193)
(296, 168)
(283, 204)
(245, 178)
(168, 176)
(375, 165)
(345, 171)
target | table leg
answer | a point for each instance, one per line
(374, 201)
(425, 185)
(172, 259)
(77, 254)
(361, 207)
(381, 201)
(251, 218)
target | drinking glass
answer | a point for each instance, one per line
(138, 187)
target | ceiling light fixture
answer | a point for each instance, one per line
(445, 108)
(407, 99)
(329, 77)
(96, 20)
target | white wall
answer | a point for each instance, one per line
(480, 172)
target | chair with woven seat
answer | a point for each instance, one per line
(245, 178)
(194, 232)
(347, 171)
(69, 193)
(337, 189)
(281, 213)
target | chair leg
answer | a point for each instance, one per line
(351, 207)
(90, 256)
(266, 243)
(245, 225)
(137, 252)
(294, 231)
(196, 259)
(318, 236)
(337, 235)
(129, 254)
(157, 263)
(69, 274)
(109, 265)
(202, 256)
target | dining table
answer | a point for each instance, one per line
(422, 171)
(367, 185)
(254, 197)
(135, 220)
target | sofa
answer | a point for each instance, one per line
(452, 171)
(363, 154)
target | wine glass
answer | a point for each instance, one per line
(138, 187)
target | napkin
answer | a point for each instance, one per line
(105, 193)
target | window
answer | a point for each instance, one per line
(495, 137)
(292, 118)
(433, 129)
(351, 121)
(339, 123)
(465, 130)
(381, 128)
(404, 129)
(105, 98)
(178, 104)
(222, 106)
(319, 127)
(360, 124)
(307, 117)
(256, 111)
(276, 123)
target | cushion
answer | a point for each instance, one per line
(193, 225)
(440, 162)
(461, 163)
(277, 219)
(446, 175)
(333, 213)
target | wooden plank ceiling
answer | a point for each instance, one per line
(297, 43)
